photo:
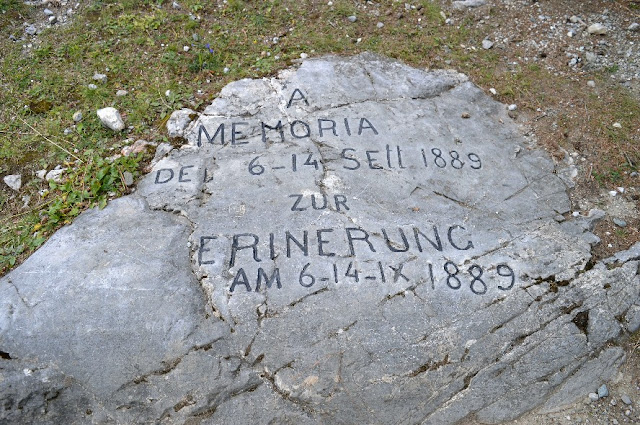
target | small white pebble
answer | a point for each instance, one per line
(185, 48)
(613, 192)
(379, 25)
(575, 214)
(168, 93)
(617, 125)
(330, 3)
(620, 189)
(591, 83)
(513, 107)
(493, 91)
(226, 70)
(358, 40)
(304, 55)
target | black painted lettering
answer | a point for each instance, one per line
(304, 246)
(296, 203)
(293, 97)
(388, 149)
(368, 126)
(390, 244)
(202, 249)
(340, 200)
(168, 179)
(344, 156)
(346, 126)
(321, 242)
(400, 157)
(182, 174)
(235, 246)
(371, 160)
(206, 178)
(219, 130)
(272, 250)
(277, 127)
(451, 229)
(324, 202)
(236, 134)
(307, 129)
(332, 127)
(268, 281)
(397, 273)
(351, 238)
(240, 279)
(437, 244)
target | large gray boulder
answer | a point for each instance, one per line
(355, 241)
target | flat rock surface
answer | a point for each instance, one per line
(355, 241)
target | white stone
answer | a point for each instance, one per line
(110, 118)
(41, 174)
(591, 83)
(168, 93)
(597, 29)
(161, 151)
(352, 18)
(493, 91)
(137, 147)
(463, 4)
(120, 93)
(613, 192)
(178, 121)
(77, 116)
(304, 55)
(128, 178)
(92, 86)
(634, 27)
(14, 181)
(487, 44)
(617, 125)
(55, 175)
(512, 107)
(100, 77)
(185, 48)
(379, 25)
